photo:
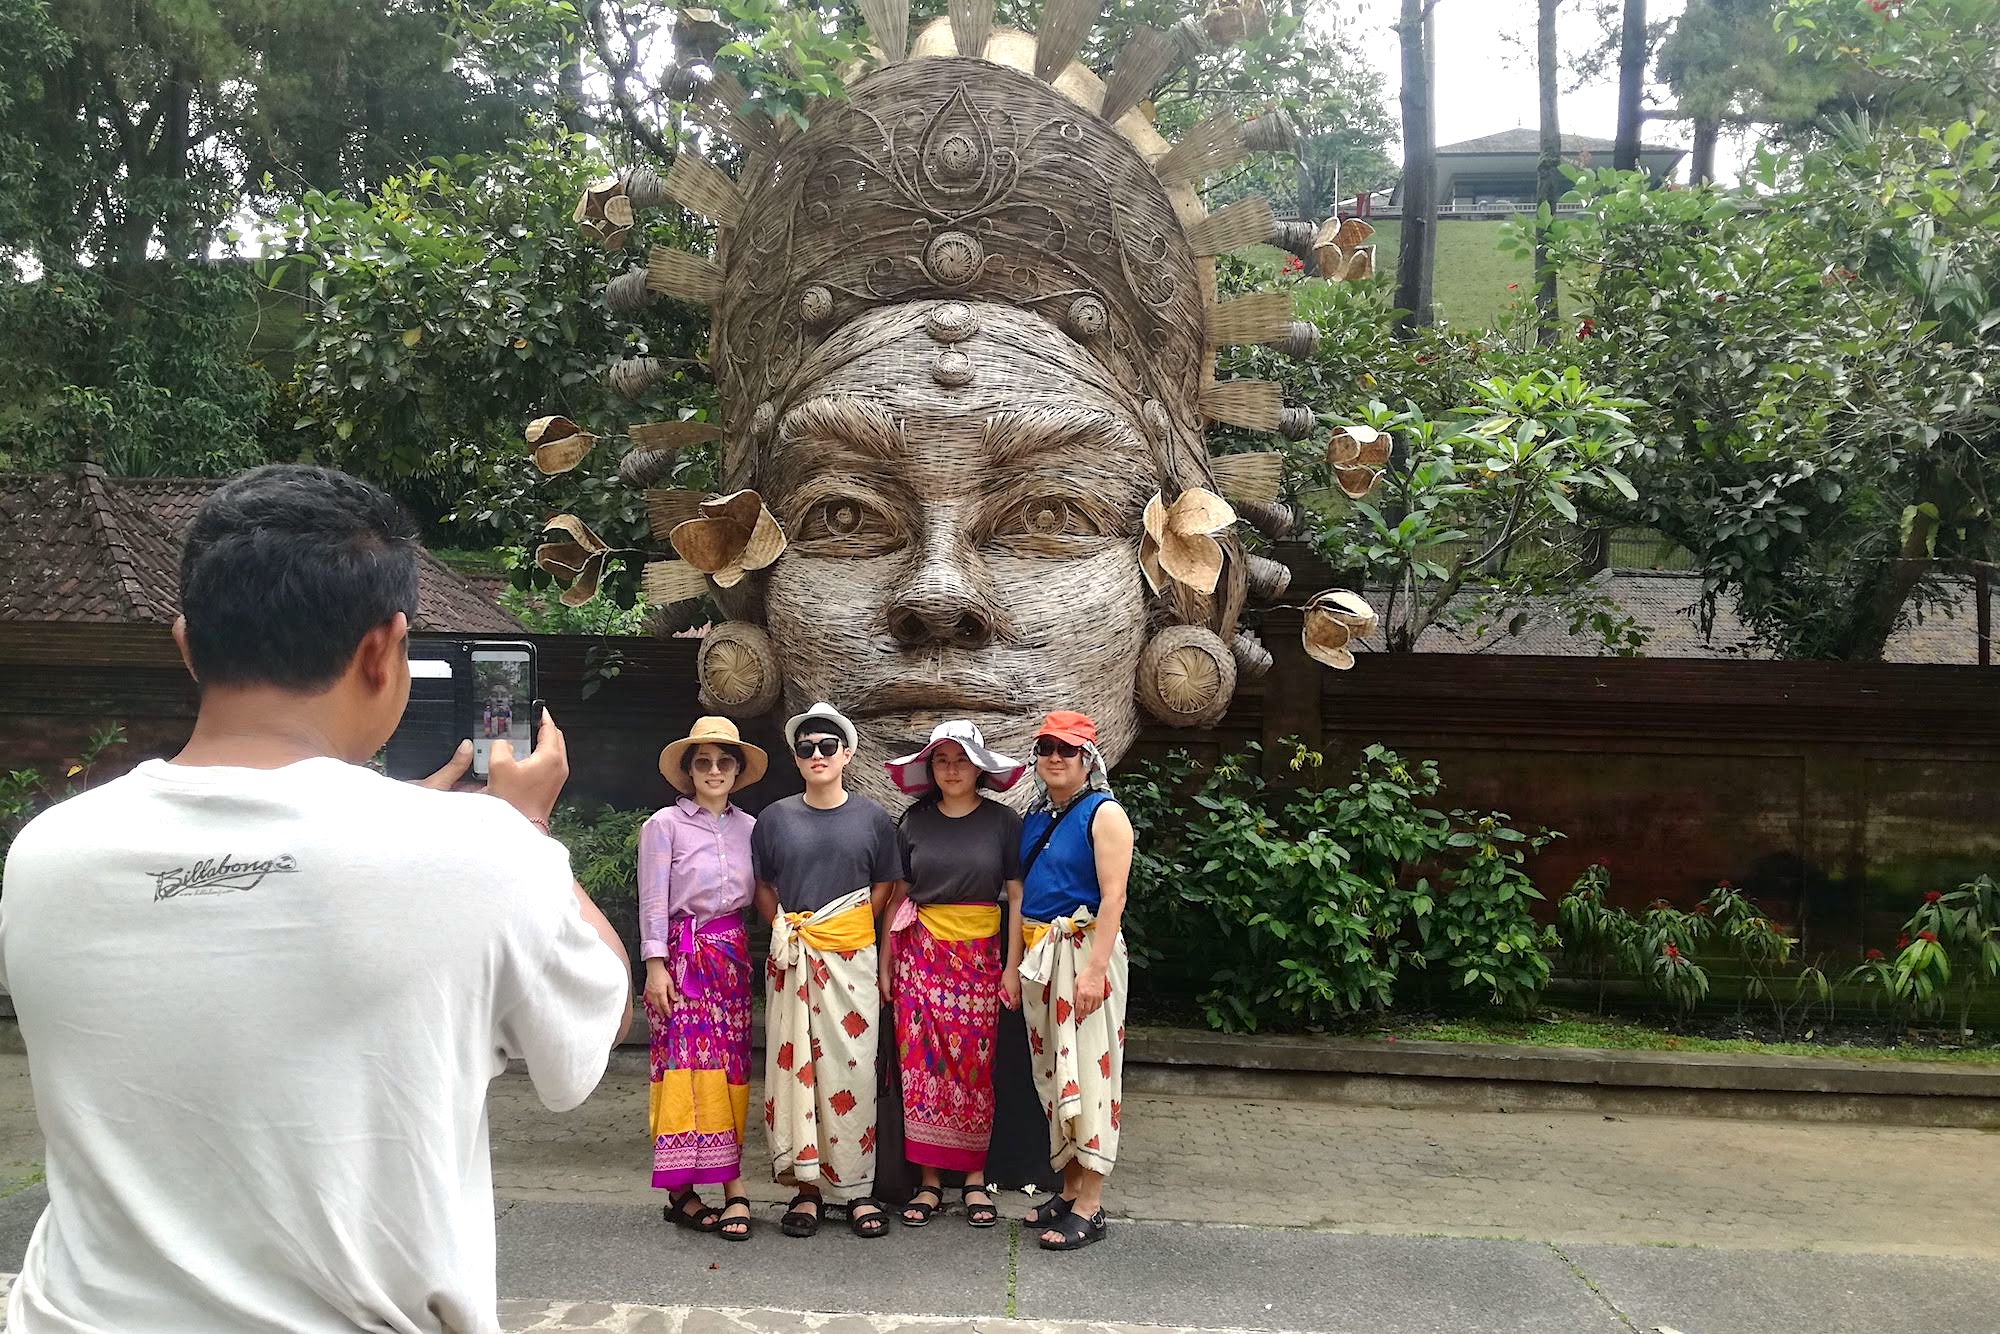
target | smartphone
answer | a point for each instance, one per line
(485, 689)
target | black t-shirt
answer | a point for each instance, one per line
(963, 859)
(813, 856)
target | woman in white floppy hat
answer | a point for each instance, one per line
(694, 883)
(945, 968)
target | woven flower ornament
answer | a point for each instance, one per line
(734, 535)
(1180, 540)
(1357, 455)
(559, 443)
(577, 563)
(1334, 620)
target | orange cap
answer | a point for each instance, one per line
(1068, 725)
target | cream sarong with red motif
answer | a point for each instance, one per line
(819, 1062)
(1079, 1065)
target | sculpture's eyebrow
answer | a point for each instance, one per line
(1017, 437)
(838, 424)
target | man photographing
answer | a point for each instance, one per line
(263, 988)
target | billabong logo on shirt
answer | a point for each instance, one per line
(218, 875)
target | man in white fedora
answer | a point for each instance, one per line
(825, 861)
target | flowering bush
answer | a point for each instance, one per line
(1949, 947)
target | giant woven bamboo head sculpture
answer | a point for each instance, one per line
(964, 338)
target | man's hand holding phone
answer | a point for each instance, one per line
(530, 786)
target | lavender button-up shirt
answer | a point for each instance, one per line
(691, 865)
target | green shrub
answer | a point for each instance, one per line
(1300, 906)
(603, 844)
(26, 793)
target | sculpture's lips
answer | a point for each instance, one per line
(961, 693)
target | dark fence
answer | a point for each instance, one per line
(1833, 794)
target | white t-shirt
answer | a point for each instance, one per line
(261, 1009)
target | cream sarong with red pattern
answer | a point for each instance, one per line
(1079, 1066)
(819, 1062)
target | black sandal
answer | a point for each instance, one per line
(923, 1211)
(1049, 1212)
(867, 1225)
(797, 1222)
(1076, 1231)
(741, 1224)
(978, 1215)
(704, 1219)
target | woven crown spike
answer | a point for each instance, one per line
(1261, 317)
(971, 25)
(1149, 57)
(1065, 23)
(628, 294)
(644, 188)
(1249, 477)
(631, 377)
(1295, 236)
(669, 508)
(1296, 423)
(640, 468)
(1208, 150)
(1254, 405)
(702, 188)
(1243, 224)
(1301, 341)
(723, 104)
(677, 273)
(1268, 578)
(673, 435)
(1273, 132)
(1274, 519)
(889, 24)
(668, 583)
(1253, 660)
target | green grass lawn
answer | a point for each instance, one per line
(1472, 272)
(1570, 1031)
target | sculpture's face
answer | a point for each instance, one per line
(962, 491)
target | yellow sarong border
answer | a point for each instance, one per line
(844, 932)
(960, 921)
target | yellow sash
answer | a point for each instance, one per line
(850, 929)
(960, 921)
(1036, 962)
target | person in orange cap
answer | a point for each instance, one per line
(1076, 857)
(695, 881)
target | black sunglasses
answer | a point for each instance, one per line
(805, 748)
(1048, 745)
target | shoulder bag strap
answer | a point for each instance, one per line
(1034, 853)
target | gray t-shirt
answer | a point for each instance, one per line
(813, 856)
(962, 859)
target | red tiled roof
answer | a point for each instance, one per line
(89, 547)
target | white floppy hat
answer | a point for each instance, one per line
(912, 774)
(821, 712)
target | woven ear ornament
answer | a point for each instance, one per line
(577, 564)
(1180, 540)
(1333, 621)
(734, 535)
(1357, 455)
(1341, 251)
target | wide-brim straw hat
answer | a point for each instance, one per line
(912, 773)
(712, 731)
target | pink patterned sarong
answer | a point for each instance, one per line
(700, 1095)
(947, 1022)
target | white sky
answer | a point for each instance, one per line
(1486, 71)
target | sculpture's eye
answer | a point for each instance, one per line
(845, 525)
(1053, 516)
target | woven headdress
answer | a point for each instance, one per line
(978, 166)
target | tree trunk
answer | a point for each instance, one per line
(1415, 261)
(1707, 131)
(1548, 171)
(1631, 86)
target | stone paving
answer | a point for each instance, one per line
(1567, 1177)
(620, 1318)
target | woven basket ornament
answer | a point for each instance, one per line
(964, 326)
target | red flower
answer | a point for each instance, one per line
(843, 1102)
(1513, 287)
(1295, 265)
(854, 1024)
(1722, 884)
(1931, 936)
(1872, 955)
(1701, 910)
(1903, 941)
(1933, 896)
(1673, 953)
(1586, 328)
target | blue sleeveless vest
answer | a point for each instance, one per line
(1065, 875)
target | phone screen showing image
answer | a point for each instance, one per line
(503, 702)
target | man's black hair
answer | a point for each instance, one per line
(821, 725)
(285, 569)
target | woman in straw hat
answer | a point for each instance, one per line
(1076, 855)
(694, 883)
(942, 964)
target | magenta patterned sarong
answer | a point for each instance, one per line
(947, 1023)
(700, 1097)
